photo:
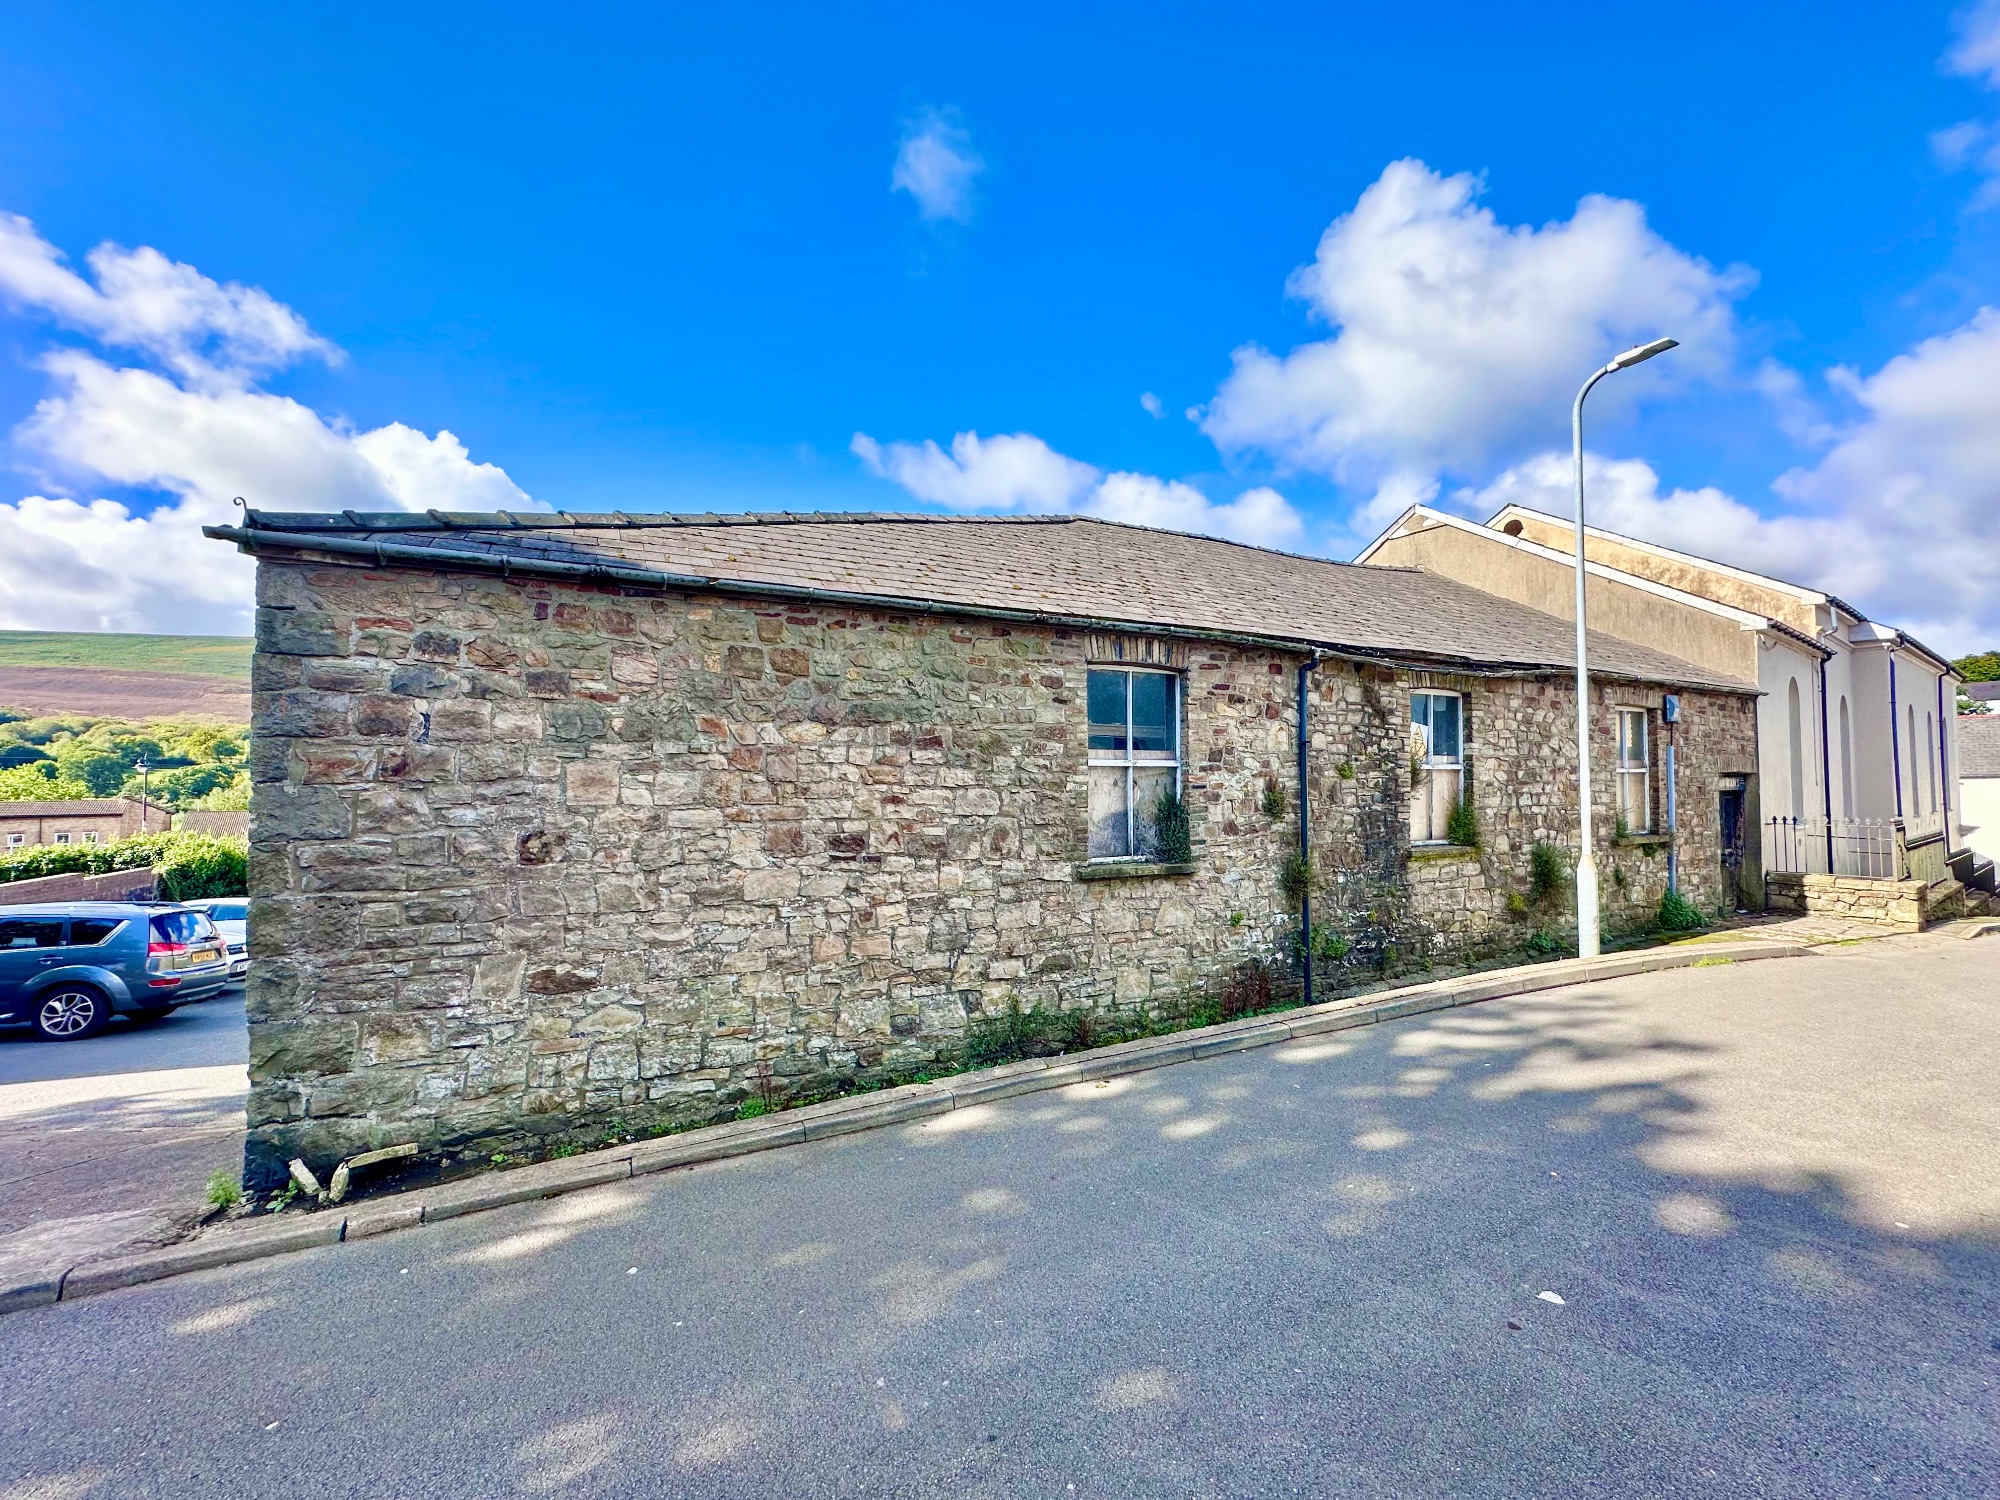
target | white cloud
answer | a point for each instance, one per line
(1010, 472)
(1018, 472)
(1976, 52)
(1152, 405)
(1975, 144)
(206, 333)
(1459, 336)
(201, 434)
(936, 165)
(1901, 515)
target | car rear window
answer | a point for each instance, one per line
(182, 927)
(31, 932)
(87, 932)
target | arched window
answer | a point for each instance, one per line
(1930, 757)
(1846, 762)
(1798, 748)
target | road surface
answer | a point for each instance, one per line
(1726, 1231)
(106, 1143)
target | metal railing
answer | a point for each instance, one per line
(1871, 848)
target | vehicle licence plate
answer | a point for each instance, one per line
(204, 956)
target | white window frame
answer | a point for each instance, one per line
(1426, 826)
(16, 840)
(62, 838)
(90, 838)
(1105, 759)
(1635, 776)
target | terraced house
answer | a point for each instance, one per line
(566, 818)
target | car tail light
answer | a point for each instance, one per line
(164, 955)
(156, 946)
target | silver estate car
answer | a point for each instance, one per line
(67, 967)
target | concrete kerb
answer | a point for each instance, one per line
(912, 1102)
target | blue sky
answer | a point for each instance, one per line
(657, 260)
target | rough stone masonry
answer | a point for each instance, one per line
(529, 858)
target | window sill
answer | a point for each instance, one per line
(1444, 851)
(1643, 841)
(1129, 869)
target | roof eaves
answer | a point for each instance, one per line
(254, 540)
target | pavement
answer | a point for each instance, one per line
(1731, 1230)
(106, 1145)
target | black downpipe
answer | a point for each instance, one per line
(1825, 766)
(1305, 836)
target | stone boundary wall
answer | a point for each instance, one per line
(115, 885)
(1899, 905)
(528, 858)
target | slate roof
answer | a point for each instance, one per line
(1979, 745)
(1070, 568)
(76, 807)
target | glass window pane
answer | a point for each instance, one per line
(1110, 836)
(1106, 694)
(31, 932)
(1147, 789)
(87, 931)
(1444, 728)
(1152, 715)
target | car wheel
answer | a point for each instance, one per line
(70, 1012)
(146, 1015)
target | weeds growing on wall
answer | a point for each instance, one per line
(1252, 988)
(1678, 914)
(1548, 874)
(1295, 880)
(1173, 841)
(1274, 803)
(1462, 827)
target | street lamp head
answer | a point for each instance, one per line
(1643, 353)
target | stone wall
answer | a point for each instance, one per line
(1899, 905)
(1520, 744)
(527, 858)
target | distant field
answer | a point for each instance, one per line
(196, 655)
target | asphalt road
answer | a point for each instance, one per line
(206, 1034)
(1767, 1195)
(106, 1143)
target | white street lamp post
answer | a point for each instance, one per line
(1587, 944)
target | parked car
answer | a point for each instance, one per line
(231, 915)
(67, 967)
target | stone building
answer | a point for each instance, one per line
(1855, 721)
(561, 819)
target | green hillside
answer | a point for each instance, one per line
(202, 655)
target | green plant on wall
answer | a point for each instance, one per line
(1296, 879)
(1345, 770)
(1620, 829)
(1678, 914)
(1462, 827)
(1274, 802)
(1328, 946)
(1548, 874)
(1172, 841)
